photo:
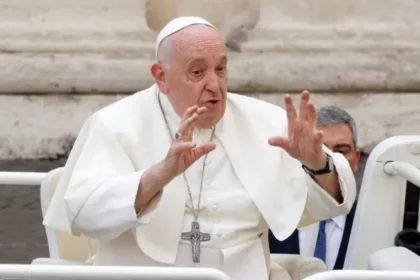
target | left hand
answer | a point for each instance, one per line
(304, 141)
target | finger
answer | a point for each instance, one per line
(203, 149)
(303, 111)
(192, 110)
(311, 114)
(280, 142)
(188, 113)
(290, 109)
(201, 110)
(187, 126)
(188, 121)
(181, 147)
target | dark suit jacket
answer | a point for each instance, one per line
(291, 244)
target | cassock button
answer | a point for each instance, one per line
(219, 234)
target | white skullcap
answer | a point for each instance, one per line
(176, 25)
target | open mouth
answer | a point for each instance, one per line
(211, 103)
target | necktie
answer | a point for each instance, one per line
(321, 242)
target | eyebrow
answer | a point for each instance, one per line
(343, 146)
(197, 60)
(223, 59)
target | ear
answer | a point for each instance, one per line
(158, 74)
(357, 160)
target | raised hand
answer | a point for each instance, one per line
(181, 155)
(183, 152)
(304, 141)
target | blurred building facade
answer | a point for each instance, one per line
(62, 60)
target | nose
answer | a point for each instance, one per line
(213, 83)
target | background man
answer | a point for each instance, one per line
(340, 135)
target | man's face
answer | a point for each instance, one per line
(196, 73)
(339, 139)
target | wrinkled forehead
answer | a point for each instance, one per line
(198, 42)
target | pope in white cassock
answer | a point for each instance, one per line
(185, 174)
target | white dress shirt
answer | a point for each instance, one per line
(334, 229)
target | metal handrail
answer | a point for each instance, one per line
(71, 272)
(365, 275)
(403, 169)
(22, 178)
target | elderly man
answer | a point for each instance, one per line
(185, 174)
(340, 135)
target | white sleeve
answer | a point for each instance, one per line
(320, 205)
(102, 184)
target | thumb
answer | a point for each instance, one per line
(279, 142)
(204, 149)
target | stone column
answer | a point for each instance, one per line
(234, 18)
(62, 60)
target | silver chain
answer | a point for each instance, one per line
(171, 134)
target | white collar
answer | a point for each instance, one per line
(340, 221)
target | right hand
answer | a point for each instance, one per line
(183, 152)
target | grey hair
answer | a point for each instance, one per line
(164, 51)
(328, 115)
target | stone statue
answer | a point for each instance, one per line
(234, 18)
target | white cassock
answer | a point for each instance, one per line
(249, 187)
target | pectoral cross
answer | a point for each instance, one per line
(195, 237)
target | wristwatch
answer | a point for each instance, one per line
(329, 167)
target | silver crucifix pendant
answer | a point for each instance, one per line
(195, 237)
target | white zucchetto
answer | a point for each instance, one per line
(176, 25)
